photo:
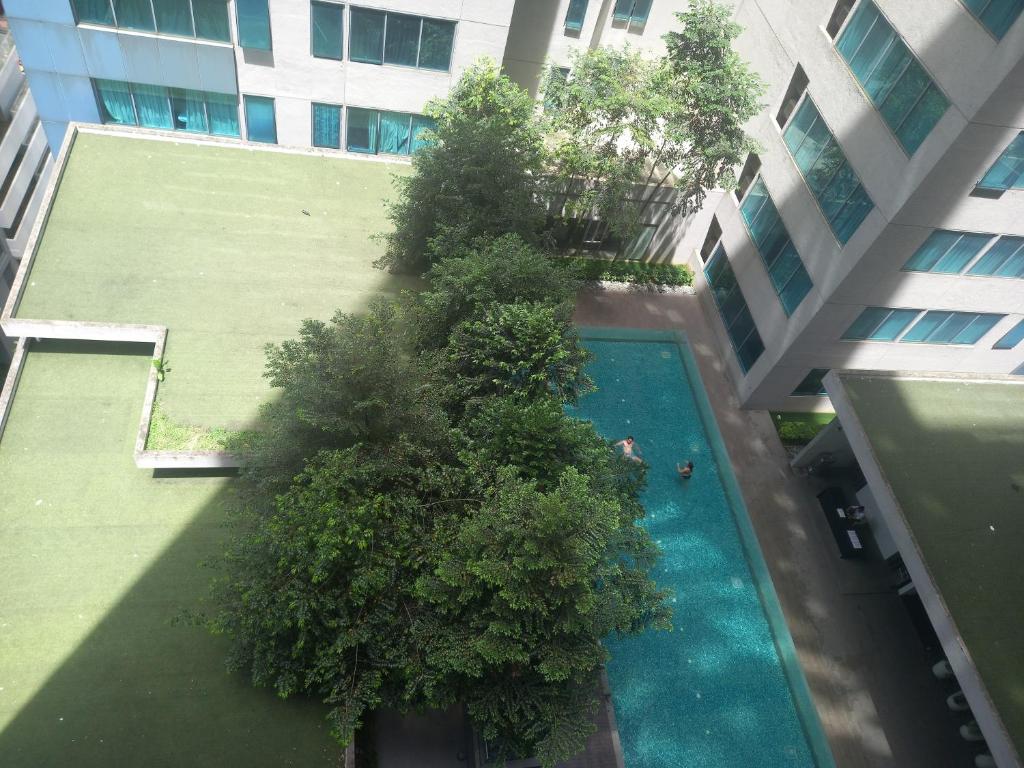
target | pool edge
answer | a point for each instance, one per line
(807, 712)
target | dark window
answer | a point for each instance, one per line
(326, 21)
(811, 386)
(750, 170)
(714, 235)
(797, 86)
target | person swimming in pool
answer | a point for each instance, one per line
(628, 447)
(685, 472)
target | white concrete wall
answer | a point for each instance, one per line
(60, 58)
(984, 81)
(538, 35)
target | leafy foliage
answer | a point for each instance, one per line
(630, 132)
(477, 178)
(531, 348)
(626, 271)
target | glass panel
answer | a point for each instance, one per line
(922, 118)
(436, 46)
(253, 24)
(997, 15)
(327, 33)
(366, 38)
(134, 14)
(894, 324)
(815, 145)
(641, 8)
(965, 249)
(211, 17)
(785, 266)
(222, 110)
(152, 105)
(115, 102)
(859, 25)
(1012, 338)
(260, 124)
(933, 249)
(326, 126)
(750, 351)
(402, 40)
(835, 196)
(188, 110)
(926, 326)
(173, 17)
(420, 125)
(997, 256)
(576, 14)
(811, 385)
(889, 72)
(802, 121)
(904, 96)
(623, 10)
(795, 291)
(852, 215)
(1013, 266)
(947, 331)
(1007, 170)
(866, 323)
(361, 134)
(978, 327)
(732, 305)
(94, 11)
(752, 203)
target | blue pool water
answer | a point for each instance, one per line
(713, 692)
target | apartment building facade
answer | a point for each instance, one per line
(881, 227)
(25, 165)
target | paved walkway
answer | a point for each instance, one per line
(864, 664)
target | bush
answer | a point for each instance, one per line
(799, 428)
(633, 272)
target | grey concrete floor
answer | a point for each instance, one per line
(865, 666)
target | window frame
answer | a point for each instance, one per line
(719, 250)
(806, 96)
(764, 260)
(312, 124)
(312, 29)
(384, 39)
(913, 58)
(195, 36)
(967, 270)
(245, 111)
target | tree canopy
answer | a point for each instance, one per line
(426, 524)
(629, 131)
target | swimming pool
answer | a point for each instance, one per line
(715, 691)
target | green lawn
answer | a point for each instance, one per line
(96, 560)
(953, 454)
(799, 428)
(212, 242)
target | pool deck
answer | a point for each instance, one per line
(878, 704)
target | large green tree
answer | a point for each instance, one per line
(630, 132)
(477, 177)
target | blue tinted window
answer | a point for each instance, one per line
(154, 106)
(880, 323)
(1012, 338)
(576, 14)
(940, 327)
(134, 14)
(785, 268)
(253, 24)
(391, 133)
(1007, 172)
(326, 126)
(1004, 259)
(377, 37)
(732, 308)
(260, 124)
(811, 386)
(827, 172)
(947, 252)
(326, 21)
(894, 80)
(997, 15)
(632, 11)
(93, 11)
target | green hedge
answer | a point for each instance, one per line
(799, 428)
(635, 272)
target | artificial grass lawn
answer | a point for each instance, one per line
(212, 242)
(953, 453)
(96, 560)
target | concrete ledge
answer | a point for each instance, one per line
(11, 383)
